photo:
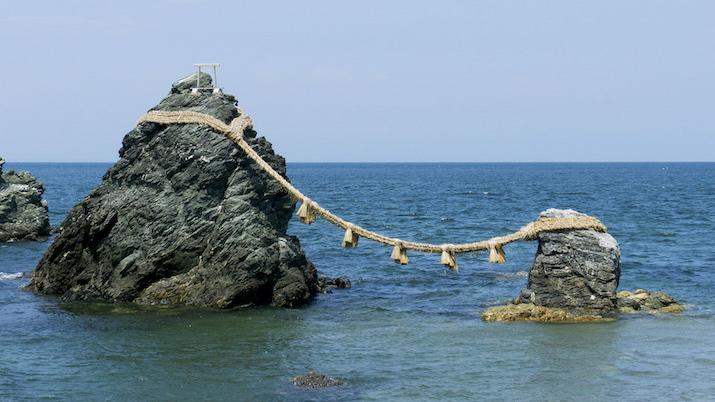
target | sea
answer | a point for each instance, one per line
(411, 332)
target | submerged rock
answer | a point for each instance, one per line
(574, 268)
(315, 380)
(182, 218)
(23, 212)
(325, 283)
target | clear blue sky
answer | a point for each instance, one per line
(329, 81)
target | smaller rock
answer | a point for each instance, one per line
(645, 301)
(341, 283)
(653, 303)
(315, 380)
(624, 302)
(325, 283)
(672, 308)
(663, 298)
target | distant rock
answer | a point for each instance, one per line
(23, 212)
(315, 380)
(574, 268)
(182, 218)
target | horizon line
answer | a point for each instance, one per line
(397, 162)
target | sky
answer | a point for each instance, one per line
(371, 81)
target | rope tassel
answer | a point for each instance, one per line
(448, 259)
(306, 213)
(351, 238)
(496, 253)
(399, 254)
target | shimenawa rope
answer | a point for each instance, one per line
(309, 209)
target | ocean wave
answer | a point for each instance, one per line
(9, 277)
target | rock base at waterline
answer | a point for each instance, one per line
(638, 302)
(532, 312)
(643, 301)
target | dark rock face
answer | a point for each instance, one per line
(325, 283)
(315, 380)
(23, 212)
(183, 218)
(574, 268)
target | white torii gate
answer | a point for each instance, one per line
(214, 89)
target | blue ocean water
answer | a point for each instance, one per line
(401, 332)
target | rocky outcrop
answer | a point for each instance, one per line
(573, 268)
(639, 302)
(23, 212)
(643, 301)
(183, 218)
(325, 284)
(574, 279)
(532, 312)
(315, 380)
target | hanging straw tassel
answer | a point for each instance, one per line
(351, 238)
(448, 259)
(396, 253)
(496, 253)
(306, 213)
(445, 257)
(399, 254)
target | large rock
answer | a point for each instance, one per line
(183, 218)
(23, 212)
(574, 268)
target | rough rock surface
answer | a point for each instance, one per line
(315, 380)
(325, 283)
(531, 312)
(644, 301)
(574, 268)
(182, 218)
(23, 212)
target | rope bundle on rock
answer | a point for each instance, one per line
(309, 209)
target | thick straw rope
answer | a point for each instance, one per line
(310, 209)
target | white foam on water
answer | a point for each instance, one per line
(511, 275)
(10, 277)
